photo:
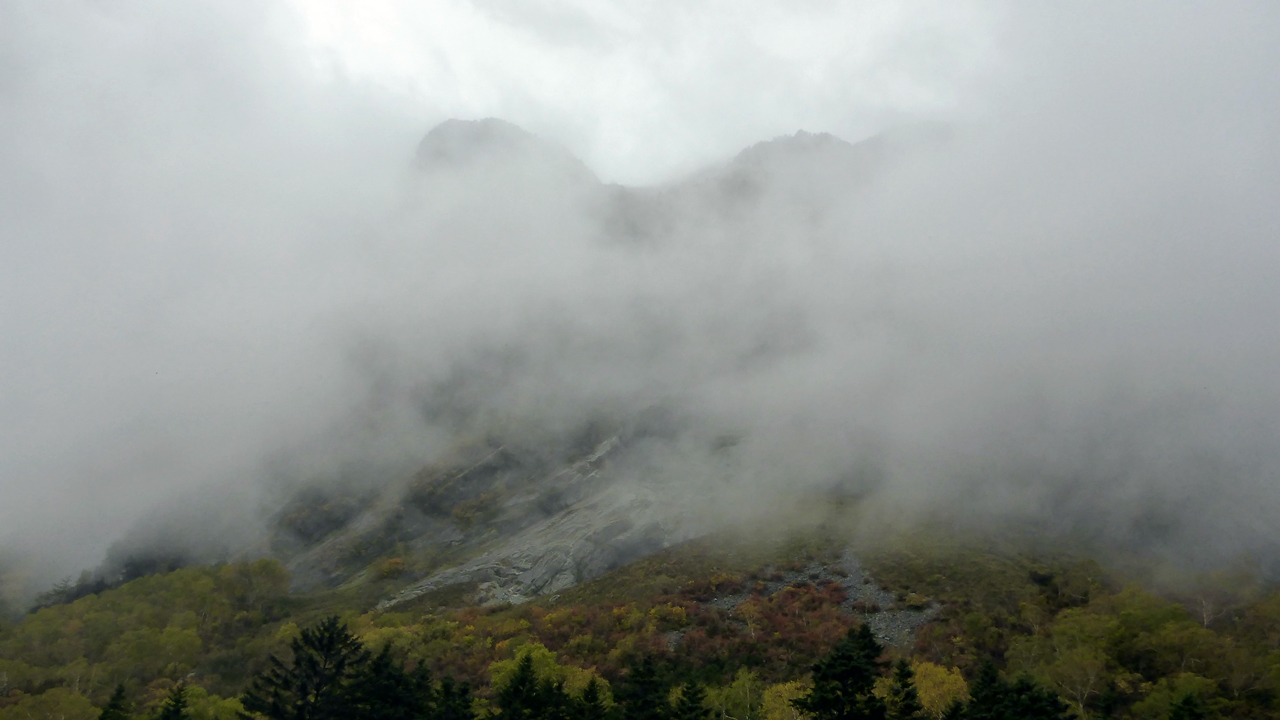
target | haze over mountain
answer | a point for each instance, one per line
(224, 285)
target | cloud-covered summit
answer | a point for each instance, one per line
(224, 269)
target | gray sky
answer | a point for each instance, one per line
(213, 250)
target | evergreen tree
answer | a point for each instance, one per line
(175, 706)
(903, 703)
(384, 690)
(525, 697)
(843, 680)
(116, 708)
(692, 704)
(994, 698)
(453, 701)
(316, 685)
(1188, 707)
(590, 705)
(642, 693)
(519, 697)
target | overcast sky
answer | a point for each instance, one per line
(194, 204)
(642, 89)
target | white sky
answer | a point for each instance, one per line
(642, 90)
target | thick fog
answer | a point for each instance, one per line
(1044, 293)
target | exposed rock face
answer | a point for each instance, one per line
(515, 523)
(584, 541)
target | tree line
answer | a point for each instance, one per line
(331, 675)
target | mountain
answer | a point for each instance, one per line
(513, 518)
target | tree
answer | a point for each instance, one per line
(692, 704)
(994, 698)
(903, 703)
(1188, 708)
(939, 687)
(453, 701)
(843, 680)
(175, 706)
(116, 708)
(590, 704)
(775, 701)
(525, 697)
(315, 685)
(643, 694)
(384, 690)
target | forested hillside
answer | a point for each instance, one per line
(747, 629)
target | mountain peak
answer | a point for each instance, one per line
(457, 144)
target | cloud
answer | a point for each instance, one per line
(643, 90)
(220, 261)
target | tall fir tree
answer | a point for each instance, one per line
(902, 702)
(175, 706)
(316, 685)
(843, 681)
(692, 704)
(384, 690)
(642, 694)
(453, 701)
(116, 708)
(526, 697)
(993, 698)
(590, 704)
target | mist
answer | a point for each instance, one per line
(1039, 289)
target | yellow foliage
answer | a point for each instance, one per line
(669, 616)
(776, 701)
(546, 667)
(288, 632)
(938, 687)
(391, 568)
(740, 699)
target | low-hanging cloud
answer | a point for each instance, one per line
(1058, 308)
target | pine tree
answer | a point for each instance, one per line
(843, 680)
(903, 703)
(453, 701)
(642, 693)
(521, 698)
(175, 706)
(996, 699)
(384, 690)
(590, 705)
(986, 694)
(316, 685)
(692, 704)
(116, 708)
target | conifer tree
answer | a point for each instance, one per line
(453, 701)
(642, 693)
(116, 708)
(903, 703)
(590, 705)
(996, 699)
(521, 697)
(175, 706)
(316, 684)
(843, 680)
(692, 704)
(384, 690)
